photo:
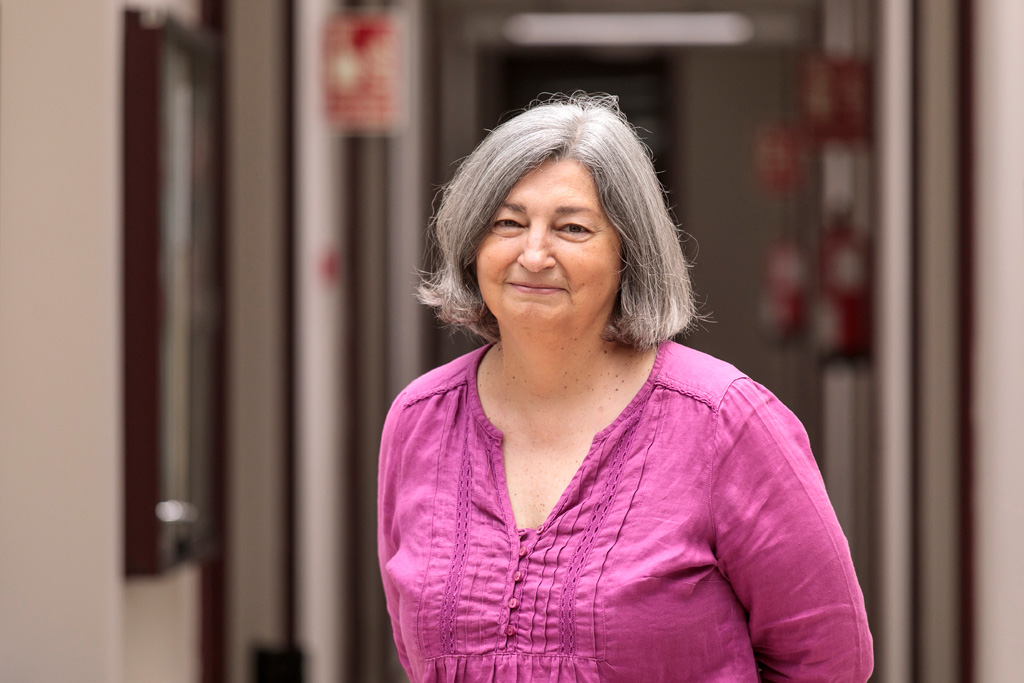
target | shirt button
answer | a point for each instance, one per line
(540, 529)
(509, 631)
(513, 603)
(523, 551)
(518, 576)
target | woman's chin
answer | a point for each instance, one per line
(539, 321)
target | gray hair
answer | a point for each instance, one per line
(655, 295)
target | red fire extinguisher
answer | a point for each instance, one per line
(844, 311)
(783, 307)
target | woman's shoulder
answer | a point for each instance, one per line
(696, 374)
(441, 379)
(719, 385)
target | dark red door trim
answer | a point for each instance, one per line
(288, 248)
(967, 94)
(213, 592)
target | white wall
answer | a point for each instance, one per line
(60, 428)
(999, 340)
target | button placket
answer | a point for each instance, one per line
(517, 579)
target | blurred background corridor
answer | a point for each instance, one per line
(212, 218)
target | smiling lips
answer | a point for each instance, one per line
(530, 288)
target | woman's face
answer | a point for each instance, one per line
(551, 260)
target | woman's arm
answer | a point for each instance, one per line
(779, 544)
(388, 479)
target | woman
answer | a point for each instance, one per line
(581, 499)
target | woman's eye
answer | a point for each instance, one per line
(505, 223)
(575, 229)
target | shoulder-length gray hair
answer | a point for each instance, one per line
(655, 296)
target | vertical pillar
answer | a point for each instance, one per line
(892, 628)
(998, 339)
(320, 349)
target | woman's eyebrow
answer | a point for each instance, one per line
(561, 210)
(564, 210)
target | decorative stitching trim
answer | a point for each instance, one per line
(694, 393)
(457, 569)
(413, 399)
(567, 600)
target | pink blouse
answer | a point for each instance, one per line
(695, 542)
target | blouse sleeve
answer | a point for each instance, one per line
(779, 544)
(388, 481)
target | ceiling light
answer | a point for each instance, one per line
(629, 28)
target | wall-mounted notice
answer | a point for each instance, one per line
(364, 71)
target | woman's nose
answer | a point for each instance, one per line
(536, 252)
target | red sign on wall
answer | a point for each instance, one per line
(835, 98)
(363, 72)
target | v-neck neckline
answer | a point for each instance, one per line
(590, 460)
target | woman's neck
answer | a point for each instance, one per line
(553, 369)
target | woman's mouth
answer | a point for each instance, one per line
(532, 288)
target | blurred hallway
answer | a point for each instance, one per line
(207, 268)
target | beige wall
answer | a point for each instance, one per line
(61, 591)
(161, 619)
(255, 105)
(999, 338)
(938, 394)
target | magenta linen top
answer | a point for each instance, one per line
(695, 543)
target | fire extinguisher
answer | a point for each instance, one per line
(783, 307)
(844, 315)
